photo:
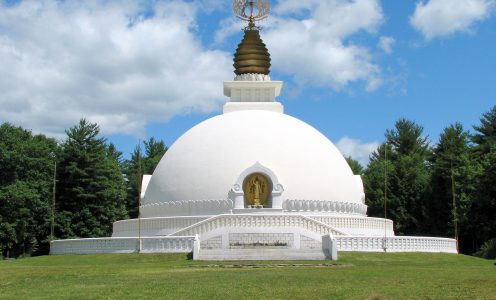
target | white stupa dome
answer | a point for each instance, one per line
(207, 160)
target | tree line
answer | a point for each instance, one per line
(83, 177)
(447, 189)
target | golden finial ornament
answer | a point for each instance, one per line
(251, 11)
(251, 57)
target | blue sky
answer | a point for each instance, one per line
(155, 68)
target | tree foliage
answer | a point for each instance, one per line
(141, 163)
(91, 190)
(485, 135)
(355, 166)
(374, 180)
(26, 168)
(452, 187)
(483, 206)
(401, 165)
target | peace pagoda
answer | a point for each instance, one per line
(253, 183)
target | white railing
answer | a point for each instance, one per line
(187, 208)
(153, 226)
(168, 244)
(182, 244)
(295, 205)
(220, 206)
(253, 220)
(176, 244)
(395, 244)
(355, 222)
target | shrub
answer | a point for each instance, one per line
(488, 250)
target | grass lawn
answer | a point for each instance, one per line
(355, 276)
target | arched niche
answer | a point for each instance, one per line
(257, 189)
(237, 195)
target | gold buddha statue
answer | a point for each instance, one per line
(256, 190)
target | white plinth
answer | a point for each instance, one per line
(260, 254)
(252, 91)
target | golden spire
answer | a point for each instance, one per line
(251, 56)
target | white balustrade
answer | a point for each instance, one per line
(153, 226)
(355, 222)
(175, 244)
(187, 208)
(396, 244)
(220, 206)
(294, 205)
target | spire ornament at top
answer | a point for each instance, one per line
(251, 11)
(252, 59)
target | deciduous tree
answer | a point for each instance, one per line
(26, 168)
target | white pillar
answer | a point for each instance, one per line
(329, 247)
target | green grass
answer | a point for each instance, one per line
(356, 276)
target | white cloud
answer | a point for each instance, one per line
(291, 6)
(386, 44)
(228, 27)
(114, 62)
(437, 18)
(356, 149)
(310, 40)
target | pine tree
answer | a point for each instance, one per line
(154, 151)
(485, 136)
(355, 166)
(374, 180)
(483, 209)
(133, 171)
(140, 164)
(91, 189)
(453, 169)
(407, 177)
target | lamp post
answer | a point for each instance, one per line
(52, 225)
(455, 215)
(140, 181)
(384, 246)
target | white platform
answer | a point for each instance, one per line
(258, 236)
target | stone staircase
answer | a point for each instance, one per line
(254, 220)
